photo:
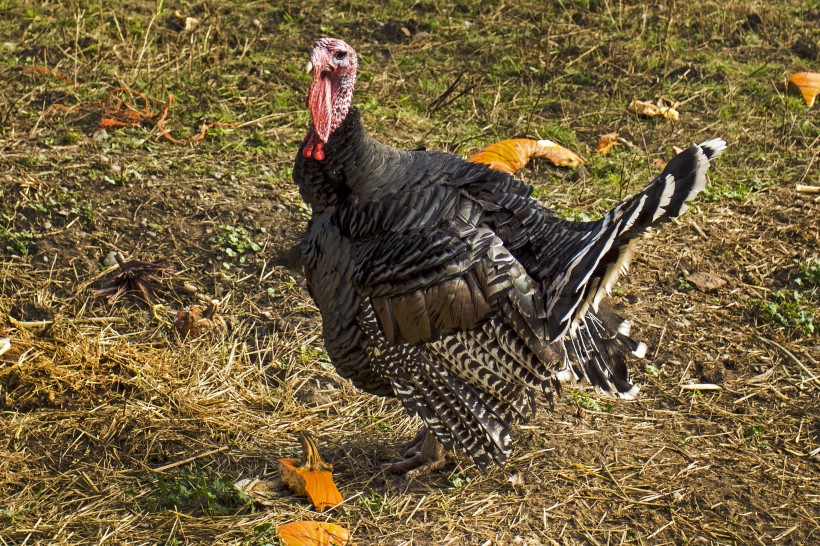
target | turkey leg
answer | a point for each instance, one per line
(424, 455)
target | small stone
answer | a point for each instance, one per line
(705, 282)
(110, 259)
(189, 288)
(47, 225)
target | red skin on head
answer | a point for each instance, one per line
(334, 66)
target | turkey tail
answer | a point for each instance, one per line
(602, 256)
(598, 350)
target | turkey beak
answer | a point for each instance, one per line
(309, 67)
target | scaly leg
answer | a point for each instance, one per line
(425, 455)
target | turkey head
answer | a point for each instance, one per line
(333, 64)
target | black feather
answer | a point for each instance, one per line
(443, 283)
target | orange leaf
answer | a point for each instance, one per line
(197, 319)
(513, 154)
(808, 83)
(607, 142)
(312, 533)
(312, 478)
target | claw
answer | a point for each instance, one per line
(424, 455)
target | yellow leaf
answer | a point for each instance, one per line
(513, 154)
(808, 83)
(312, 533)
(647, 109)
(607, 142)
(312, 478)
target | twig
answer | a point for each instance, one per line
(807, 189)
(100, 320)
(701, 387)
(697, 228)
(625, 142)
(811, 376)
(29, 323)
(188, 460)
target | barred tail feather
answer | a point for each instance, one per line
(599, 348)
(597, 262)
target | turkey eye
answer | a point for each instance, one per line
(339, 55)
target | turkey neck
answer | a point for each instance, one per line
(355, 166)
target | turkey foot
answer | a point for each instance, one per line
(424, 455)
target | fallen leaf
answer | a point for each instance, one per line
(513, 154)
(649, 110)
(260, 491)
(196, 319)
(312, 533)
(313, 477)
(135, 276)
(705, 282)
(807, 83)
(607, 142)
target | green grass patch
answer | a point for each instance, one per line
(584, 401)
(20, 241)
(794, 307)
(788, 308)
(235, 243)
(194, 489)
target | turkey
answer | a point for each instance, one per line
(444, 284)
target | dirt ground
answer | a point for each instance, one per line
(114, 429)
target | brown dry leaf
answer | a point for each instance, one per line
(136, 277)
(649, 110)
(607, 142)
(705, 282)
(260, 491)
(312, 533)
(513, 154)
(313, 477)
(807, 83)
(196, 319)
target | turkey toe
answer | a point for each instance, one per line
(428, 455)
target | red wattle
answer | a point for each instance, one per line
(314, 147)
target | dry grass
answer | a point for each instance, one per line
(106, 412)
